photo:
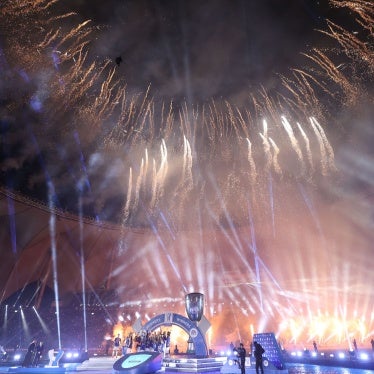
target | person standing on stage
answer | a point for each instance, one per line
(355, 345)
(231, 348)
(315, 346)
(116, 346)
(30, 355)
(259, 351)
(38, 353)
(242, 353)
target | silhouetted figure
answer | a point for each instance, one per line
(130, 343)
(38, 353)
(124, 347)
(231, 347)
(30, 355)
(258, 352)
(118, 60)
(315, 346)
(108, 343)
(242, 353)
(176, 350)
(355, 344)
(372, 344)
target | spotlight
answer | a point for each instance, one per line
(341, 355)
(17, 357)
(364, 356)
(73, 357)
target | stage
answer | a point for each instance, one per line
(184, 364)
(94, 365)
(104, 365)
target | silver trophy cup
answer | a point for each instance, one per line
(195, 306)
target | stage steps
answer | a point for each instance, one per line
(191, 365)
(97, 363)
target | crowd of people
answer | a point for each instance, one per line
(158, 341)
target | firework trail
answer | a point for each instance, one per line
(352, 45)
(276, 151)
(139, 182)
(159, 176)
(187, 177)
(307, 146)
(327, 153)
(346, 87)
(252, 165)
(294, 142)
(126, 211)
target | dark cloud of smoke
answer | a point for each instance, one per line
(201, 50)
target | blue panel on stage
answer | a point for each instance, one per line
(139, 363)
(134, 360)
(272, 350)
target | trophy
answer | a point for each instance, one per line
(194, 306)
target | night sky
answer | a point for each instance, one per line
(202, 50)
